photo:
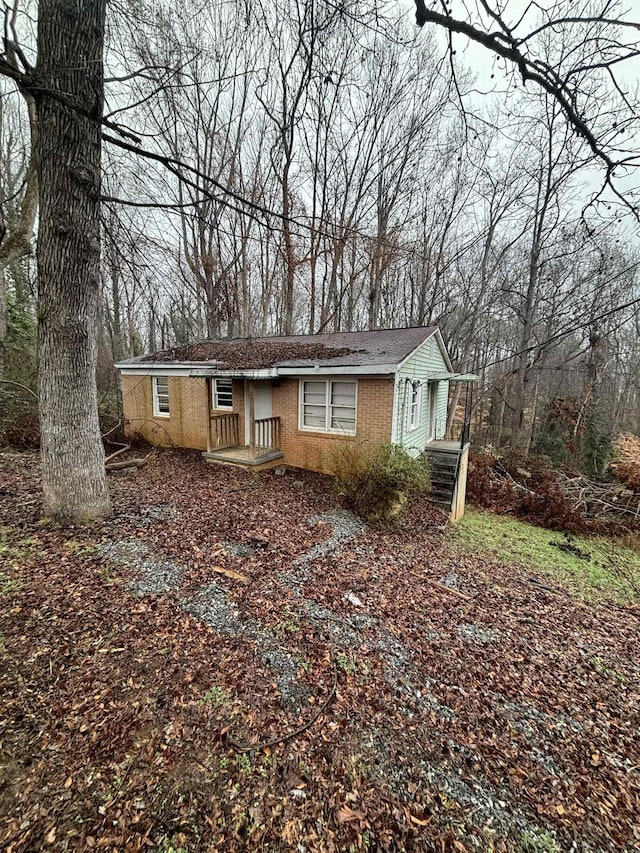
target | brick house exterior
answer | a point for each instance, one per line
(188, 422)
(267, 401)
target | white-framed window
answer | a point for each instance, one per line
(222, 394)
(328, 405)
(415, 405)
(161, 396)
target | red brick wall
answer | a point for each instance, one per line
(312, 450)
(186, 425)
(189, 406)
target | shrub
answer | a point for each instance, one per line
(626, 464)
(23, 434)
(524, 487)
(377, 481)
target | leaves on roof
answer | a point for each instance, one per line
(250, 355)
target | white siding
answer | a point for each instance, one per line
(426, 361)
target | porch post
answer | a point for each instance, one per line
(209, 398)
(252, 421)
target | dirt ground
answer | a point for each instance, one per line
(234, 662)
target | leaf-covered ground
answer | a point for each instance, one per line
(234, 663)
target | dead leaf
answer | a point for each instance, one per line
(419, 821)
(345, 815)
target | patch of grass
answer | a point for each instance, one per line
(346, 663)
(596, 567)
(603, 668)
(170, 845)
(539, 843)
(80, 549)
(216, 696)
(8, 585)
(243, 763)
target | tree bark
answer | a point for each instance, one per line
(70, 62)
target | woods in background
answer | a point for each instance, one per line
(341, 177)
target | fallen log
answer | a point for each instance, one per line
(129, 463)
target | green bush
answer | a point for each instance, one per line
(378, 481)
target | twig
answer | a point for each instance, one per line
(7, 841)
(544, 586)
(19, 385)
(240, 747)
(442, 586)
(130, 463)
(109, 431)
(123, 449)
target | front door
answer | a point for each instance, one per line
(261, 392)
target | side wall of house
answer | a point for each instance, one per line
(426, 361)
(189, 409)
(313, 450)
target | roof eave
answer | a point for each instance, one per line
(203, 369)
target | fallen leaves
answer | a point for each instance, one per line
(117, 712)
(345, 814)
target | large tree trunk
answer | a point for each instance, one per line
(70, 45)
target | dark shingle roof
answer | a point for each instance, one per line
(353, 349)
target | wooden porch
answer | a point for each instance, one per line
(224, 445)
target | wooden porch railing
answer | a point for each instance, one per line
(224, 431)
(265, 437)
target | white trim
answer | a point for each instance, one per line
(321, 370)
(395, 414)
(328, 430)
(156, 405)
(415, 386)
(160, 370)
(187, 369)
(432, 409)
(214, 395)
(266, 373)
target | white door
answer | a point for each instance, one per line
(261, 391)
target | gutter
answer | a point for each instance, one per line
(204, 369)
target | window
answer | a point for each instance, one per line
(161, 396)
(328, 406)
(222, 394)
(415, 406)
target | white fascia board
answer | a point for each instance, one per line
(262, 373)
(157, 365)
(339, 370)
(151, 369)
(443, 349)
(191, 369)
